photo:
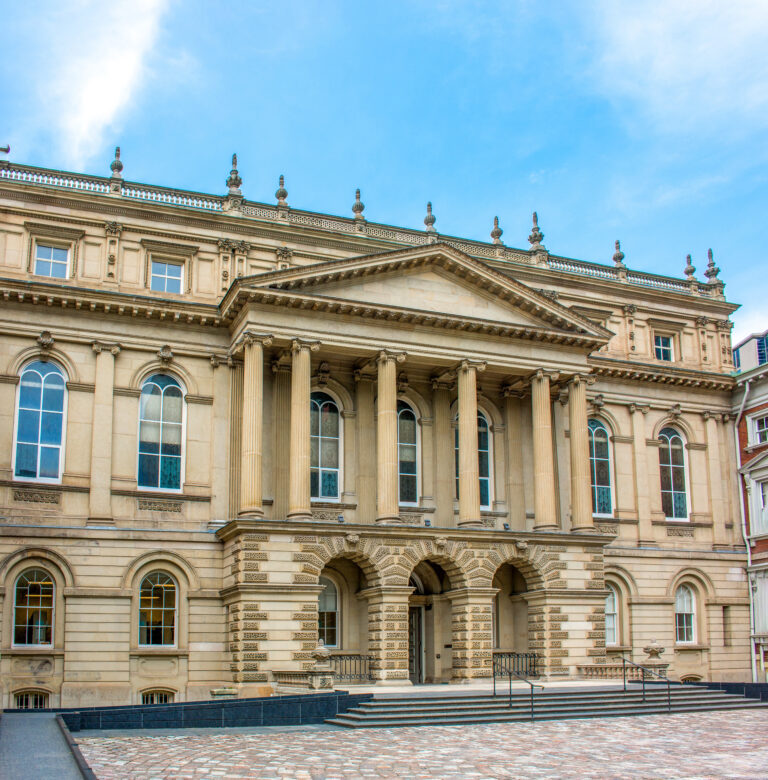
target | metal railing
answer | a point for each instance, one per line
(351, 666)
(520, 663)
(511, 673)
(647, 671)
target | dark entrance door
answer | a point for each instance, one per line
(415, 645)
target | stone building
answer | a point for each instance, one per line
(750, 405)
(231, 428)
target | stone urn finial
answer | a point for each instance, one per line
(654, 650)
(322, 655)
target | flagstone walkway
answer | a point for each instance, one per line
(690, 745)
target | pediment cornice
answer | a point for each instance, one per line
(303, 282)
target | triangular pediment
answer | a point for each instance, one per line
(437, 279)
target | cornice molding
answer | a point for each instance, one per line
(610, 368)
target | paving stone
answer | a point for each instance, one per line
(686, 745)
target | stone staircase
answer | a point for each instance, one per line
(549, 704)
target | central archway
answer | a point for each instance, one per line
(430, 657)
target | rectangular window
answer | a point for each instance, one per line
(684, 631)
(156, 697)
(762, 350)
(761, 430)
(31, 700)
(663, 347)
(51, 261)
(166, 277)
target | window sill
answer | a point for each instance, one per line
(157, 651)
(170, 495)
(39, 650)
(684, 647)
(618, 648)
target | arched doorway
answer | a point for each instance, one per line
(430, 656)
(510, 611)
(342, 619)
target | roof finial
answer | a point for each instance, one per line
(430, 219)
(281, 193)
(117, 165)
(712, 270)
(358, 205)
(689, 270)
(496, 233)
(536, 236)
(618, 255)
(234, 181)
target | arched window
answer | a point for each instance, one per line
(328, 613)
(685, 612)
(483, 458)
(600, 466)
(40, 423)
(161, 415)
(611, 616)
(33, 608)
(31, 700)
(324, 437)
(674, 500)
(157, 610)
(407, 454)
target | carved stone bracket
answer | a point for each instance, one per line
(45, 341)
(165, 353)
(103, 346)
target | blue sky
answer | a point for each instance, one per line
(645, 121)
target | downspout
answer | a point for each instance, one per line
(752, 647)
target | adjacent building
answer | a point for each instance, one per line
(229, 429)
(750, 399)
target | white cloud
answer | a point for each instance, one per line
(88, 61)
(685, 63)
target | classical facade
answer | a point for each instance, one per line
(230, 429)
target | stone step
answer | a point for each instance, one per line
(543, 701)
(459, 709)
(524, 715)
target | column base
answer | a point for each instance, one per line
(299, 515)
(390, 520)
(551, 527)
(470, 524)
(583, 529)
(251, 514)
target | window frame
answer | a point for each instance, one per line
(157, 692)
(168, 261)
(340, 440)
(753, 435)
(611, 480)
(177, 591)
(672, 352)
(337, 628)
(183, 454)
(686, 475)
(486, 417)
(32, 692)
(685, 586)
(417, 445)
(62, 447)
(614, 592)
(52, 244)
(34, 567)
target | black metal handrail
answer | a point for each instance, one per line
(645, 669)
(525, 680)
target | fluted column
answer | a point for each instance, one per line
(581, 481)
(544, 506)
(299, 503)
(469, 472)
(387, 509)
(100, 500)
(252, 424)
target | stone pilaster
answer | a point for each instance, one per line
(719, 532)
(543, 460)
(472, 633)
(100, 500)
(514, 449)
(299, 506)
(469, 474)
(443, 454)
(640, 458)
(388, 633)
(366, 463)
(252, 424)
(581, 499)
(387, 508)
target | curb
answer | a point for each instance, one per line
(82, 764)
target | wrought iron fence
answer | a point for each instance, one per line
(351, 666)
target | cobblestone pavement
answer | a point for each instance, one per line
(700, 745)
